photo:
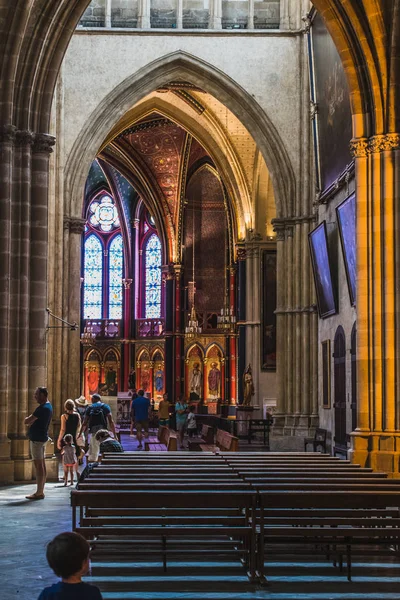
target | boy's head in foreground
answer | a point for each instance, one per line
(68, 555)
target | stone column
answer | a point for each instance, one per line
(253, 314)
(143, 21)
(179, 15)
(215, 19)
(73, 231)
(241, 317)
(296, 329)
(41, 150)
(108, 14)
(250, 20)
(376, 441)
(7, 138)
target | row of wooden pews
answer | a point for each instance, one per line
(251, 506)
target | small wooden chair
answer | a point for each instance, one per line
(319, 440)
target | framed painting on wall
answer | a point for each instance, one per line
(326, 374)
(346, 216)
(326, 297)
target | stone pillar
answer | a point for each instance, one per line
(179, 15)
(253, 315)
(250, 20)
(108, 14)
(296, 329)
(179, 345)
(241, 317)
(376, 440)
(7, 138)
(215, 19)
(71, 374)
(143, 21)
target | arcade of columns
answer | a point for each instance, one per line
(371, 63)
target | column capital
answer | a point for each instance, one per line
(24, 137)
(74, 224)
(359, 147)
(241, 252)
(382, 143)
(43, 143)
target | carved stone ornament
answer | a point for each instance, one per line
(382, 143)
(280, 232)
(127, 283)
(241, 253)
(7, 134)
(307, 23)
(74, 224)
(359, 147)
(24, 137)
(43, 143)
(313, 110)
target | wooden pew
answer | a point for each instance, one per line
(206, 437)
(215, 537)
(166, 441)
(223, 441)
(342, 519)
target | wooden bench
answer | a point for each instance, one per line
(211, 533)
(318, 441)
(223, 441)
(166, 441)
(206, 438)
(340, 520)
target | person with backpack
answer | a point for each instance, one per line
(97, 416)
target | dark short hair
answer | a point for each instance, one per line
(102, 434)
(68, 438)
(67, 553)
(96, 397)
(42, 390)
(140, 392)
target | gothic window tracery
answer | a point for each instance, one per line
(115, 270)
(93, 278)
(153, 277)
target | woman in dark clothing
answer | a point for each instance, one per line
(70, 423)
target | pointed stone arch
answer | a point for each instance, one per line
(186, 67)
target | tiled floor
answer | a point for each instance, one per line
(26, 527)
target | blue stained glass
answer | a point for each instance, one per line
(153, 277)
(93, 278)
(115, 272)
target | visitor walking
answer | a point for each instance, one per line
(141, 409)
(98, 416)
(181, 412)
(70, 423)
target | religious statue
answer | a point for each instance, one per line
(214, 381)
(195, 382)
(159, 380)
(248, 386)
(132, 380)
(93, 380)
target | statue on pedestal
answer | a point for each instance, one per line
(196, 382)
(248, 386)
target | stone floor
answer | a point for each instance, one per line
(28, 526)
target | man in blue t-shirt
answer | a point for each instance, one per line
(97, 416)
(39, 422)
(140, 408)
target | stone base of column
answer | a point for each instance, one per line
(6, 463)
(215, 23)
(143, 22)
(378, 450)
(294, 425)
(23, 465)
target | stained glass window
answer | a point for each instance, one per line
(115, 271)
(153, 277)
(103, 214)
(93, 278)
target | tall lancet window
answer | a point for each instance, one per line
(153, 277)
(115, 274)
(93, 278)
(103, 261)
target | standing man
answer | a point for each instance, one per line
(39, 422)
(140, 408)
(97, 416)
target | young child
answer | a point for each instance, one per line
(68, 556)
(191, 422)
(69, 458)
